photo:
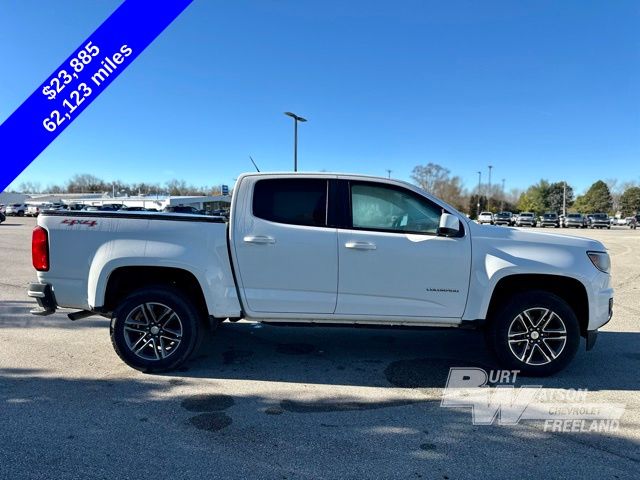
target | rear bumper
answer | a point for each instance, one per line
(43, 293)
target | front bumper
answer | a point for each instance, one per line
(43, 293)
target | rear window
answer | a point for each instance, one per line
(291, 200)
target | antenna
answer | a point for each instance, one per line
(254, 163)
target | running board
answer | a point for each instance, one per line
(80, 315)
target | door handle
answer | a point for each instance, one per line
(361, 245)
(259, 239)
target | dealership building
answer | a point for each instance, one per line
(157, 202)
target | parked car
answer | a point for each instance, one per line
(133, 209)
(633, 222)
(34, 209)
(526, 219)
(485, 217)
(550, 219)
(504, 218)
(16, 210)
(598, 220)
(575, 220)
(182, 209)
(292, 253)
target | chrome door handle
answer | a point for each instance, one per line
(361, 245)
(259, 239)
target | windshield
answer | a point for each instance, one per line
(574, 215)
(550, 215)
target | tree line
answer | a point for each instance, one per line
(608, 196)
(87, 183)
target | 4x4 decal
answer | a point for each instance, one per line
(91, 223)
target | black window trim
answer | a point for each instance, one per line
(347, 220)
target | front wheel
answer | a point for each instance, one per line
(535, 332)
(155, 329)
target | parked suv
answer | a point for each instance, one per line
(599, 220)
(575, 220)
(526, 218)
(16, 209)
(485, 217)
(503, 218)
(550, 219)
(181, 209)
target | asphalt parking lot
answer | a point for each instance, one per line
(288, 403)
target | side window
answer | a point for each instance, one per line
(291, 200)
(380, 207)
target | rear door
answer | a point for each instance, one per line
(286, 254)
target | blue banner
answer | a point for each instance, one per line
(80, 79)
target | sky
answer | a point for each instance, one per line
(538, 89)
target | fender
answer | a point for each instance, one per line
(497, 258)
(214, 278)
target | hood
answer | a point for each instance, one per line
(502, 235)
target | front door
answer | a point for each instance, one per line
(392, 261)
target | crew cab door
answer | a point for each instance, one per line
(392, 261)
(286, 255)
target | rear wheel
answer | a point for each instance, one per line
(535, 332)
(155, 329)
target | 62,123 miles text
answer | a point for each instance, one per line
(76, 98)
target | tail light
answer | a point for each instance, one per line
(40, 249)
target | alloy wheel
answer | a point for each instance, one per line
(153, 331)
(537, 336)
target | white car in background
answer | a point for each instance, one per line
(485, 217)
(33, 210)
(16, 209)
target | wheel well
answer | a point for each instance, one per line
(570, 290)
(125, 280)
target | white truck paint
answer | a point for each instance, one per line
(330, 271)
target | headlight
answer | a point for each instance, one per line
(601, 261)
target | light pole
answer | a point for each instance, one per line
(502, 205)
(296, 119)
(564, 198)
(489, 195)
(389, 173)
(479, 186)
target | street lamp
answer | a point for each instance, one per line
(479, 183)
(296, 119)
(489, 196)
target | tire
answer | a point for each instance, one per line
(144, 310)
(530, 354)
(21, 213)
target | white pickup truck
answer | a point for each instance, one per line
(325, 249)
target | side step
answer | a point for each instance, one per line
(80, 315)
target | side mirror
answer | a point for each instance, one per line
(449, 225)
